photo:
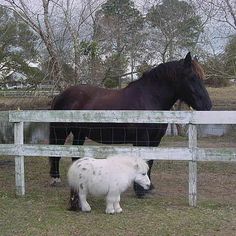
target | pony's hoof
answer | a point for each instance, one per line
(119, 210)
(86, 211)
(111, 212)
(55, 181)
(86, 208)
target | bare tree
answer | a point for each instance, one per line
(226, 11)
(41, 24)
(220, 30)
(78, 25)
(62, 25)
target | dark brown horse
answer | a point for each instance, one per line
(157, 89)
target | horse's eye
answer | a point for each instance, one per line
(144, 174)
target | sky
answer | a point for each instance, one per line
(216, 33)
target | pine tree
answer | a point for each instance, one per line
(17, 48)
(117, 31)
(178, 25)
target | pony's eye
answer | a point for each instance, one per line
(144, 174)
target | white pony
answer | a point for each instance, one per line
(106, 177)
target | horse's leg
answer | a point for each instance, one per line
(150, 163)
(57, 136)
(78, 139)
(143, 140)
(74, 203)
(154, 140)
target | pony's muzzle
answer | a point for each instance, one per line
(147, 186)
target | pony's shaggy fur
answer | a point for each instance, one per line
(106, 177)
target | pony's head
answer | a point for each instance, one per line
(141, 176)
(190, 87)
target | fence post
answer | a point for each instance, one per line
(192, 139)
(19, 160)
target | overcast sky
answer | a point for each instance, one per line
(217, 33)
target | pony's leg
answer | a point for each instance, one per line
(83, 199)
(112, 201)
(74, 203)
(58, 135)
(116, 205)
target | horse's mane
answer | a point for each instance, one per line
(167, 71)
(198, 69)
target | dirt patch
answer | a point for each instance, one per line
(31, 103)
(223, 99)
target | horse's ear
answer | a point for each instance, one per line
(188, 60)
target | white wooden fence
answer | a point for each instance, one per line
(192, 153)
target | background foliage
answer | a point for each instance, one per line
(62, 43)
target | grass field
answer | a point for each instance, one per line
(43, 211)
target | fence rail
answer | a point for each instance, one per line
(192, 153)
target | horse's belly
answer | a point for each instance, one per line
(114, 134)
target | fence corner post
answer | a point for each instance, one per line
(192, 135)
(19, 160)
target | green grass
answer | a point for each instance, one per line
(43, 211)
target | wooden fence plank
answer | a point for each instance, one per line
(118, 116)
(97, 151)
(216, 154)
(4, 116)
(183, 154)
(213, 117)
(19, 160)
(192, 131)
(99, 116)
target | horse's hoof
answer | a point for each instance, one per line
(142, 193)
(55, 182)
(73, 208)
(151, 191)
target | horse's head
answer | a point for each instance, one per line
(190, 87)
(141, 176)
